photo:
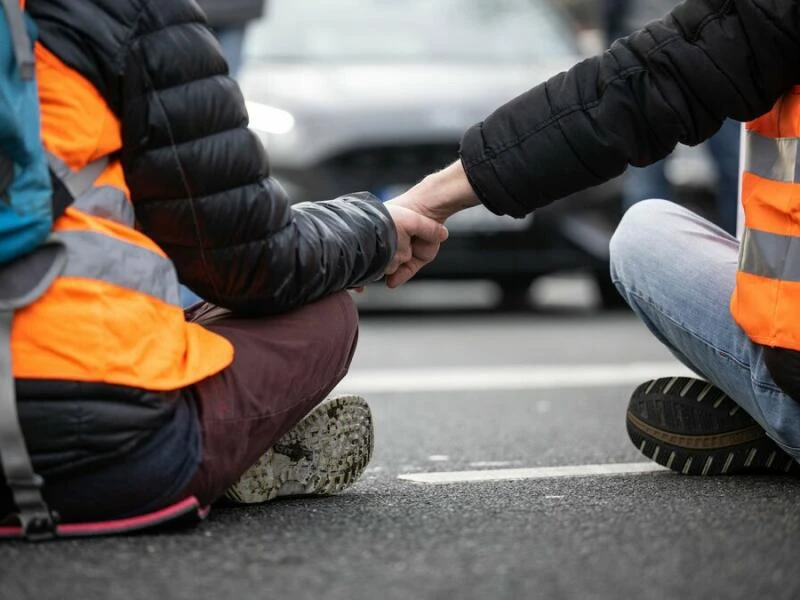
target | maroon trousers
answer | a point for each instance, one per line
(283, 367)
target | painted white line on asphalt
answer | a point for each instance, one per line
(489, 464)
(535, 473)
(512, 377)
(438, 458)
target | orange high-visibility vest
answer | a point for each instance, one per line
(114, 315)
(766, 300)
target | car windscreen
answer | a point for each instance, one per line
(410, 30)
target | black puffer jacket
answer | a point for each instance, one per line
(675, 81)
(199, 178)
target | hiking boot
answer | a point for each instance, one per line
(694, 428)
(323, 454)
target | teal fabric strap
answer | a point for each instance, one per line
(20, 39)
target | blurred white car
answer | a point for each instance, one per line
(372, 95)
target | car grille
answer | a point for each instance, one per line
(380, 170)
(413, 158)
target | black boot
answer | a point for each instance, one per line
(694, 428)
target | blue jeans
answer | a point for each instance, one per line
(677, 271)
(652, 182)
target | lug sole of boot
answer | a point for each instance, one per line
(324, 454)
(745, 448)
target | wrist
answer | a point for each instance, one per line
(450, 190)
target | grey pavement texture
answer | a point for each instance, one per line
(645, 536)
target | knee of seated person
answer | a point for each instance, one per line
(637, 233)
(350, 314)
(784, 429)
(338, 318)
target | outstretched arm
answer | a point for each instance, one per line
(674, 81)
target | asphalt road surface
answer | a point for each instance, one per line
(466, 497)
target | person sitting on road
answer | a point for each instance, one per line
(126, 405)
(727, 310)
(723, 147)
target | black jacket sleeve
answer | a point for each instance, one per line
(675, 81)
(199, 178)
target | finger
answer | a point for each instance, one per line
(391, 269)
(402, 254)
(425, 251)
(404, 273)
(428, 229)
(400, 257)
(395, 280)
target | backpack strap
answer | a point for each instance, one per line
(19, 39)
(22, 282)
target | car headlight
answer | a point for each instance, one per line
(268, 119)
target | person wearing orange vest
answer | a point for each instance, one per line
(126, 403)
(729, 310)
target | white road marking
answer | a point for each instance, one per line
(493, 464)
(507, 377)
(534, 473)
(438, 458)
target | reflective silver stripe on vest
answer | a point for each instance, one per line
(105, 201)
(774, 159)
(101, 257)
(770, 255)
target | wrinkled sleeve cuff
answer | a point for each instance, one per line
(483, 177)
